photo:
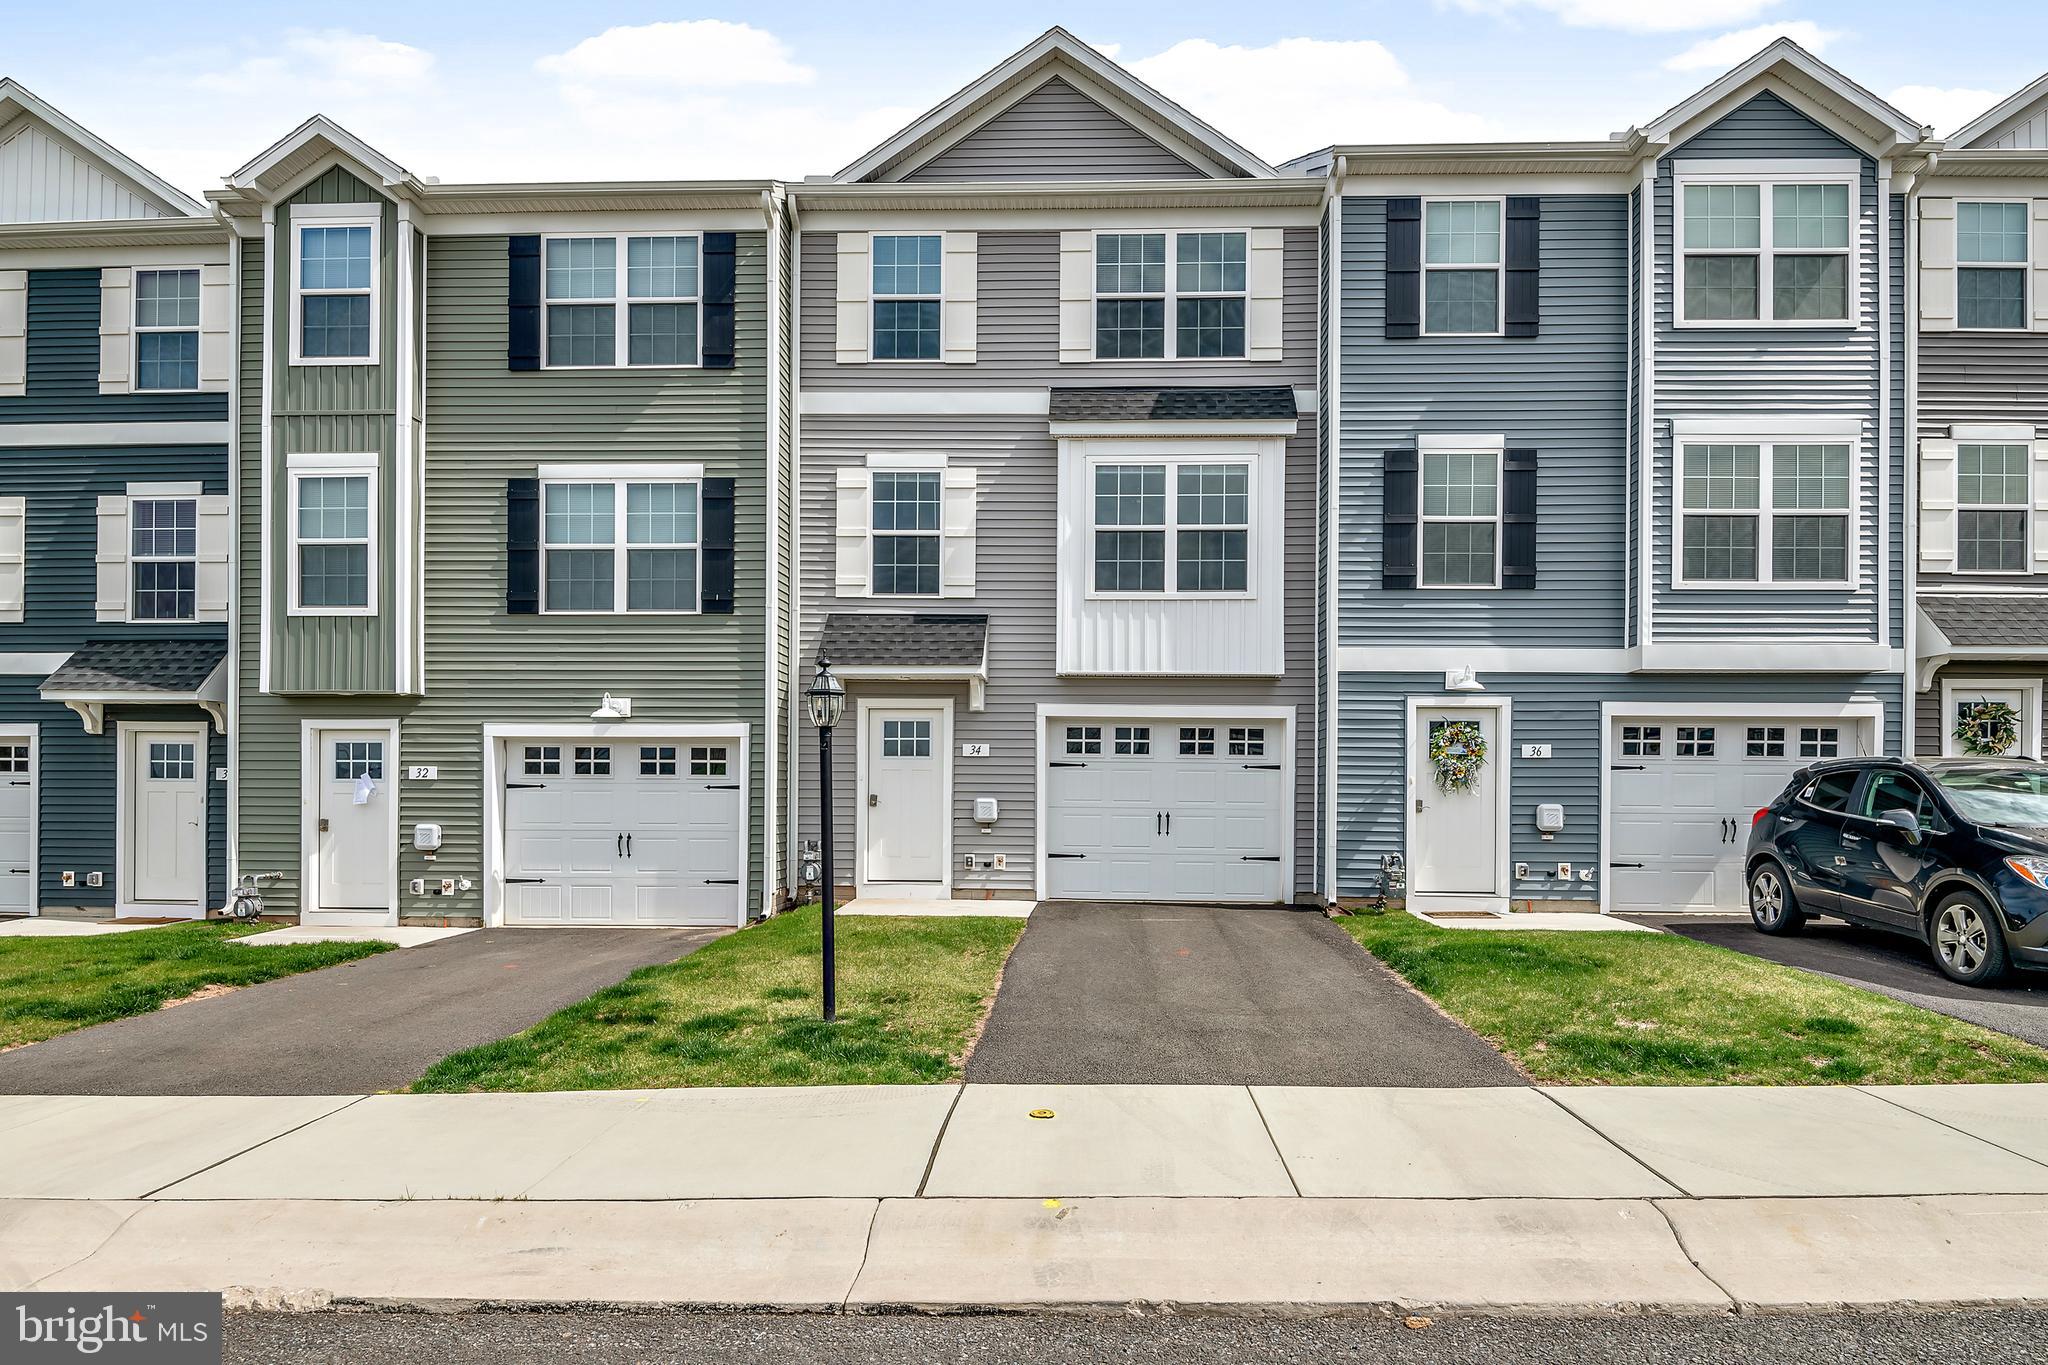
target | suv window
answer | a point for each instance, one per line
(1890, 789)
(1830, 792)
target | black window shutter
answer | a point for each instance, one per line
(1518, 519)
(522, 546)
(717, 545)
(1524, 253)
(522, 303)
(1404, 268)
(719, 285)
(1398, 519)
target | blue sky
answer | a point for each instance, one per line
(520, 90)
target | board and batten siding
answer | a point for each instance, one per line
(1055, 133)
(1981, 377)
(1562, 393)
(1728, 372)
(1562, 710)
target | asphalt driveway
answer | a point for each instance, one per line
(1133, 994)
(370, 1025)
(1885, 963)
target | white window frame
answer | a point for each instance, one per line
(2025, 507)
(620, 302)
(2024, 267)
(1499, 267)
(301, 467)
(619, 476)
(1765, 513)
(140, 493)
(1768, 177)
(1495, 449)
(135, 303)
(875, 296)
(304, 216)
(1169, 297)
(1172, 527)
(936, 468)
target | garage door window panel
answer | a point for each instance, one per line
(658, 760)
(542, 760)
(1133, 741)
(1820, 741)
(1764, 741)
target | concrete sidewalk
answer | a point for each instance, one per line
(945, 1196)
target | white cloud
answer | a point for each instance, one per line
(685, 54)
(1945, 110)
(330, 63)
(1631, 16)
(1716, 54)
(1301, 93)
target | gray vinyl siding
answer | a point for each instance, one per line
(1899, 450)
(1016, 464)
(63, 362)
(334, 409)
(1018, 340)
(1562, 393)
(1974, 377)
(1930, 726)
(1055, 133)
(1562, 710)
(1704, 372)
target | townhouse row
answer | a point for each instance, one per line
(1484, 524)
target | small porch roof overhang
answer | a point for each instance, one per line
(105, 673)
(910, 646)
(2007, 627)
(1206, 411)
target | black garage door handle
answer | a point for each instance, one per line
(1260, 858)
(1625, 864)
(1066, 855)
(721, 881)
(526, 881)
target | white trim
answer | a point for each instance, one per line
(267, 567)
(2000, 113)
(1766, 514)
(1499, 266)
(2029, 689)
(33, 733)
(971, 402)
(168, 196)
(1744, 654)
(370, 216)
(555, 222)
(45, 435)
(907, 460)
(1452, 184)
(1747, 169)
(299, 467)
(32, 663)
(406, 360)
(655, 472)
(1025, 206)
(1870, 737)
(1047, 712)
(340, 140)
(1767, 177)
(125, 778)
(1646, 461)
(310, 768)
(495, 733)
(1991, 433)
(1255, 528)
(2024, 266)
(1759, 73)
(162, 492)
(621, 545)
(1110, 431)
(137, 331)
(863, 885)
(874, 297)
(773, 834)
(621, 301)
(1423, 518)
(165, 490)
(1328, 463)
(1504, 707)
(1767, 426)
(1169, 294)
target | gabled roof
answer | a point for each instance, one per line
(1808, 80)
(2014, 108)
(1055, 52)
(284, 164)
(17, 102)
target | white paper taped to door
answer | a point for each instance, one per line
(365, 787)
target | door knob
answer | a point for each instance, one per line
(323, 824)
(1418, 805)
(874, 800)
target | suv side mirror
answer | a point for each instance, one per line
(1903, 822)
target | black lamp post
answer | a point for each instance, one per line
(827, 701)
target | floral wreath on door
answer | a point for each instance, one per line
(1457, 751)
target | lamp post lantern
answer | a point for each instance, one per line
(826, 698)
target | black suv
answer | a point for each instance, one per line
(1953, 852)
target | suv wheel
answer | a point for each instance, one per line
(1968, 944)
(1772, 908)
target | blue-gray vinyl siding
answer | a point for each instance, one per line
(1562, 710)
(63, 370)
(1562, 393)
(1707, 372)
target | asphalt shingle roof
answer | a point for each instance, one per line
(1173, 405)
(1990, 618)
(142, 667)
(895, 639)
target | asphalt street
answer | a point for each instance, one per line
(1132, 994)
(1982, 1337)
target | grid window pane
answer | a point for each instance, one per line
(907, 501)
(1130, 495)
(656, 333)
(1462, 233)
(1081, 739)
(1991, 475)
(1991, 234)
(1459, 484)
(1812, 477)
(334, 258)
(1765, 741)
(659, 268)
(165, 590)
(583, 267)
(1248, 741)
(1213, 495)
(334, 325)
(1133, 740)
(658, 760)
(592, 760)
(1991, 298)
(1130, 329)
(660, 580)
(172, 762)
(1809, 217)
(579, 514)
(1720, 549)
(167, 360)
(1130, 263)
(1991, 542)
(1721, 218)
(1209, 327)
(1130, 561)
(160, 527)
(907, 265)
(907, 566)
(543, 760)
(1809, 287)
(913, 739)
(1458, 553)
(167, 298)
(354, 758)
(582, 334)
(334, 575)
(1197, 741)
(1210, 561)
(1810, 549)
(1720, 288)
(334, 507)
(1718, 476)
(1209, 263)
(906, 329)
(1820, 741)
(708, 760)
(580, 580)
(658, 513)
(1462, 301)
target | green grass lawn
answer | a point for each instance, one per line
(50, 986)
(1657, 1009)
(744, 1011)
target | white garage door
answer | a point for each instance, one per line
(633, 832)
(17, 805)
(1681, 795)
(1166, 810)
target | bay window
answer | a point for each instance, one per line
(1197, 539)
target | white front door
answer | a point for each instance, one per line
(17, 825)
(166, 822)
(357, 786)
(632, 831)
(1964, 697)
(904, 760)
(1454, 838)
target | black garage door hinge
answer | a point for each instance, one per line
(1628, 767)
(1058, 764)
(721, 786)
(1260, 858)
(1265, 767)
(1627, 864)
(721, 881)
(1066, 855)
(524, 786)
(526, 881)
